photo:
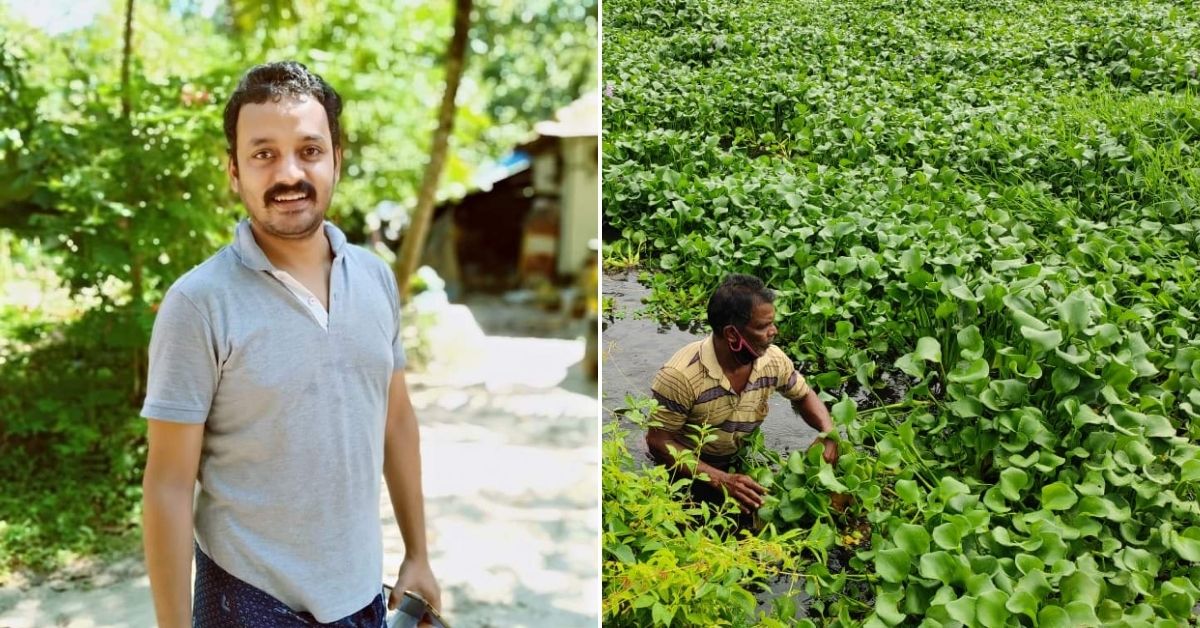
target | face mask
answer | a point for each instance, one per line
(742, 351)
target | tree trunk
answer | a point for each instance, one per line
(126, 57)
(138, 353)
(418, 229)
(135, 264)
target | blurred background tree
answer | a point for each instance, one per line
(111, 189)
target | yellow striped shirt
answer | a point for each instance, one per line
(692, 389)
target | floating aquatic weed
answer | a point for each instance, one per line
(997, 202)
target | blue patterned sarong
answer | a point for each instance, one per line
(224, 601)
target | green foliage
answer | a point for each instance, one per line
(622, 256)
(609, 310)
(987, 210)
(74, 447)
(671, 563)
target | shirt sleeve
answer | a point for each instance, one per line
(675, 398)
(399, 358)
(183, 372)
(791, 383)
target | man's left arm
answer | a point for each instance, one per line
(808, 405)
(402, 471)
(816, 415)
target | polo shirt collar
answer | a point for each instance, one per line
(251, 256)
(708, 359)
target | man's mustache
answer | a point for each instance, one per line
(302, 187)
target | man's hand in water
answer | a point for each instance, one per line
(831, 449)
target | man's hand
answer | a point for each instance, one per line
(416, 576)
(831, 448)
(816, 415)
(743, 488)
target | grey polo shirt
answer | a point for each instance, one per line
(293, 418)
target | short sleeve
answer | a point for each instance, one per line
(791, 383)
(399, 358)
(183, 373)
(675, 398)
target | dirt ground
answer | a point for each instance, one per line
(510, 459)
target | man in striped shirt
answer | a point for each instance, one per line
(724, 381)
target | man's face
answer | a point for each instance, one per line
(760, 331)
(286, 167)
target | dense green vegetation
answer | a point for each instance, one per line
(113, 187)
(980, 216)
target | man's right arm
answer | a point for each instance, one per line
(180, 385)
(741, 487)
(675, 397)
(168, 488)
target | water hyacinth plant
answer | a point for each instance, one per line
(982, 217)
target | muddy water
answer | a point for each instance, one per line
(635, 347)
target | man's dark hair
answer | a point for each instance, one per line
(734, 301)
(274, 81)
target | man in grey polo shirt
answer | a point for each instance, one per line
(276, 381)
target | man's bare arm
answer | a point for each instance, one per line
(402, 471)
(816, 415)
(168, 490)
(741, 487)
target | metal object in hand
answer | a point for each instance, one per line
(411, 609)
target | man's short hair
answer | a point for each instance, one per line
(274, 81)
(734, 301)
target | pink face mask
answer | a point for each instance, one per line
(742, 344)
